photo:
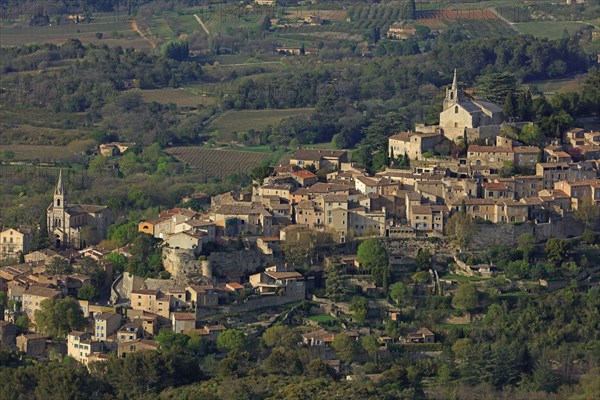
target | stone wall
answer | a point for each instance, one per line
(129, 283)
(181, 263)
(250, 305)
(507, 234)
(240, 261)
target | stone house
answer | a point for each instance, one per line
(581, 191)
(32, 344)
(136, 346)
(80, 345)
(496, 190)
(320, 159)
(250, 218)
(401, 31)
(489, 155)
(279, 280)
(33, 297)
(181, 321)
(422, 335)
(8, 335)
(106, 324)
(304, 178)
(201, 296)
(318, 338)
(413, 144)
(526, 156)
(14, 242)
(527, 185)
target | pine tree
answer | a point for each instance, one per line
(411, 10)
(510, 108)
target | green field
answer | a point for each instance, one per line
(216, 162)
(322, 318)
(242, 121)
(115, 32)
(549, 29)
(46, 154)
(183, 97)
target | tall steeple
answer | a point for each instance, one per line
(59, 192)
(453, 94)
(454, 82)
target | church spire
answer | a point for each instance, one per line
(453, 94)
(60, 190)
(454, 82)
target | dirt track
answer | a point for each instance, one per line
(135, 27)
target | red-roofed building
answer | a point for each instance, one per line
(304, 178)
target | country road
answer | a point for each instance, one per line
(201, 24)
(511, 24)
(136, 28)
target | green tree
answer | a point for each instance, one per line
(371, 345)
(399, 293)
(336, 287)
(23, 323)
(118, 260)
(495, 87)
(461, 228)
(374, 258)
(531, 134)
(360, 307)
(58, 266)
(423, 259)
(169, 340)
(284, 361)
(280, 336)
(466, 297)
(58, 317)
(146, 256)
(510, 105)
(231, 340)
(588, 213)
(141, 375)
(526, 244)
(556, 250)
(88, 292)
(345, 347)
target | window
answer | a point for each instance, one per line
(455, 109)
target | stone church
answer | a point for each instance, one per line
(479, 118)
(76, 225)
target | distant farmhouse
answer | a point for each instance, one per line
(76, 225)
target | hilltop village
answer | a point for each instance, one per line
(286, 249)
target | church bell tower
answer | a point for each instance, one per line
(453, 94)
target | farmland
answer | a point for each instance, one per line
(188, 97)
(213, 163)
(475, 22)
(549, 29)
(115, 32)
(45, 154)
(241, 121)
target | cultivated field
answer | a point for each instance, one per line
(242, 121)
(115, 32)
(215, 162)
(477, 22)
(187, 97)
(549, 29)
(45, 154)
